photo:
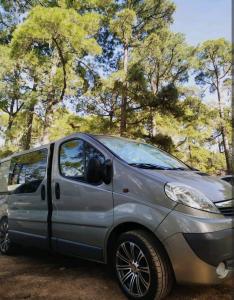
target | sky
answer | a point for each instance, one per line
(201, 20)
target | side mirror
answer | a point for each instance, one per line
(94, 171)
(98, 172)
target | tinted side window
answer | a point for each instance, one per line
(27, 171)
(4, 173)
(74, 158)
(71, 159)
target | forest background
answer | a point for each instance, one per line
(113, 67)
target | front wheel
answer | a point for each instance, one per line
(142, 267)
(5, 244)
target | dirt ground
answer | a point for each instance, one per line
(40, 276)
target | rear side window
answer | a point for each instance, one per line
(74, 157)
(4, 174)
(27, 172)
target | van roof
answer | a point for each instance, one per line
(24, 152)
(95, 136)
(42, 146)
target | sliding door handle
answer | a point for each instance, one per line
(57, 191)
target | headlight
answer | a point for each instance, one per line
(189, 196)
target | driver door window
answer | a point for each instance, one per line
(74, 156)
(71, 159)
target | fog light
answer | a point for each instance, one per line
(221, 270)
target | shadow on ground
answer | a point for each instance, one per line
(40, 276)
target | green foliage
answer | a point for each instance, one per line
(213, 69)
(123, 25)
(65, 27)
(213, 64)
(68, 66)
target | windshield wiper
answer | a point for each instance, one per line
(178, 168)
(147, 166)
(156, 167)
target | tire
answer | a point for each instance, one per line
(142, 266)
(6, 246)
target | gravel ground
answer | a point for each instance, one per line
(41, 276)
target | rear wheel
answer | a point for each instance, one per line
(5, 244)
(142, 267)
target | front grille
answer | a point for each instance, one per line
(226, 207)
(227, 211)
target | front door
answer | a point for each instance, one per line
(82, 212)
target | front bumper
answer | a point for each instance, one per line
(188, 267)
(212, 247)
(197, 246)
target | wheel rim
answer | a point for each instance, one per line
(4, 237)
(133, 269)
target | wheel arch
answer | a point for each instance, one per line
(124, 227)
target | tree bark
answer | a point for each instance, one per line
(190, 155)
(154, 87)
(123, 122)
(49, 114)
(47, 121)
(27, 136)
(52, 100)
(10, 123)
(224, 132)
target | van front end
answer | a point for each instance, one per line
(199, 245)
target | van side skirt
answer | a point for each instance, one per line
(79, 250)
(28, 239)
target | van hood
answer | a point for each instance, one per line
(212, 187)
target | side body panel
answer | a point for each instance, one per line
(27, 215)
(138, 198)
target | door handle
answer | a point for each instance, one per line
(57, 191)
(43, 193)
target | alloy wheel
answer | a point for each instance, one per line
(133, 269)
(4, 237)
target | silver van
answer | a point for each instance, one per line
(122, 202)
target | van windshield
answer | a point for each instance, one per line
(141, 155)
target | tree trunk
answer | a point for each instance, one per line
(48, 121)
(154, 86)
(190, 155)
(52, 100)
(27, 136)
(152, 123)
(8, 130)
(224, 132)
(123, 122)
(111, 120)
(10, 123)
(226, 148)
